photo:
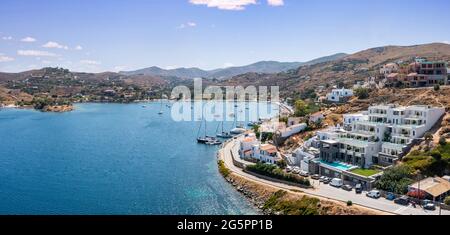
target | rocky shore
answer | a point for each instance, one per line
(58, 108)
(272, 201)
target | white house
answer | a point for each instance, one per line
(294, 121)
(266, 153)
(339, 95)
(316, 117)
(246, 146)
(292, 130)
(389, 68)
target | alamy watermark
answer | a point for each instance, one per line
(229, 103)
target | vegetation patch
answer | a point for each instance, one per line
(277, 173)
(365, 172)
(396, 179)
(304, 206)
(303, 108)
(432, 162)
(223, 169)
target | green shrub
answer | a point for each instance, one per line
(277, 173)
(349, 203)
(442, 141)
(396, 179)
(362, 93)
(447, 201)
(437, 87)
(223, 169)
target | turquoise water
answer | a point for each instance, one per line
(336, 165)
(109, 159)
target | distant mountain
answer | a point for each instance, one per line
(344, 70)
(179, 72)
(224, 73)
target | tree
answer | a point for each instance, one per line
(442, 141)
(437, 87)
(396, 179)
(362, 93)
(301, 108)
(428, 139)
(447, 201)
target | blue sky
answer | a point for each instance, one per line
(111, 35)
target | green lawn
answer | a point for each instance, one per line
(365, 172)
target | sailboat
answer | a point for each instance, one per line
(223, 134)
(239, 129)
(161, 109)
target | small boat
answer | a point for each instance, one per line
(214, 142)
(223, 134)
(160, 109)
(144, 106)
(237, 131)
(252, 124)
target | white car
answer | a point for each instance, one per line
(336, 182)
(374, 194)
(296, 170)
(288, 169)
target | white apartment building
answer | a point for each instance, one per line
(349, 119)
(379, 137)
(339, 95)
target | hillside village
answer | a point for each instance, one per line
(383, 134)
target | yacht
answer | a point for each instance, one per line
(237, 131)
(223, 134)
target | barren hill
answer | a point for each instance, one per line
(346, 70)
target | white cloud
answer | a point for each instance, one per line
(78, 48)
(446, 42)
(224, 4)
(35, 53)
(47, 62)
(7, 38)
(4, 58)
(90, 62)
(51, 44)
(188, 24)
(28, 39)
(120, 68)
(228, 64)
(235, 5)
(275, 3)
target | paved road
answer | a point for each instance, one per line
(326, 191)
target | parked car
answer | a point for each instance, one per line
(374, 194)
(296, 170)
(390, 196)
(403, 200)
(358, 188)
(429, 206)
(347, 187)
(304, 173)
(336, 182)
(288, 169)
(315, 177)
(327, 180)
(322, 178)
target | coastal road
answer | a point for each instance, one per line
(323, 190)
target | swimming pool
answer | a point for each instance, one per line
(337, 165)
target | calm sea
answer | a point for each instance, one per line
(109, 159)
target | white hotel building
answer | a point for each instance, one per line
(381, 136)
